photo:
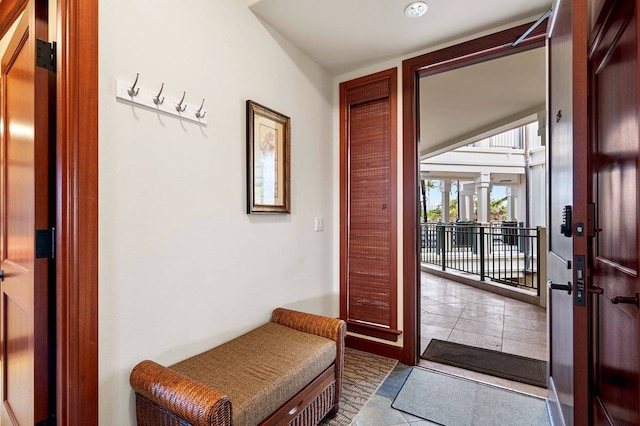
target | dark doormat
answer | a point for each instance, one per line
(499, 364)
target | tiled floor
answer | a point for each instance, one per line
(378, 412)
(463, 314)
(459, 313)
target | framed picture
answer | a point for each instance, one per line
(268, 147)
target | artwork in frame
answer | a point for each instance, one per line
(268, 162)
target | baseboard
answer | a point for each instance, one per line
(376, 348)
(553, 405)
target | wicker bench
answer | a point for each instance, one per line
(286, 372)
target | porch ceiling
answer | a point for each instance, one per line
(461, 106)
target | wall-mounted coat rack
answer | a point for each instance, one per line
(156, 101)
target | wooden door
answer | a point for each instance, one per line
(614, 94)
(368, 268)
(566, 260)
(27, 335)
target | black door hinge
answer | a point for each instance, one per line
(46, 243)
(51, 421)
(46, 55)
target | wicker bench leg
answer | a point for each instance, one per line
(334, 411)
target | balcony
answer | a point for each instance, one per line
(503, 253)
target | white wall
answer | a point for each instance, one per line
(182, 266)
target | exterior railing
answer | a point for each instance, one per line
(505, 252)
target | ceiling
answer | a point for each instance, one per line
(344, 35)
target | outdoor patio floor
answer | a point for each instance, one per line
(463, 314)
(459, 313)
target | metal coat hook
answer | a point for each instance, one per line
(161, 101)
(199, 112)
(132, 90)
(156, 98)
(180, 107)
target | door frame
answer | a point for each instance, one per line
(581, 198)
(76, 206)
(482, 49)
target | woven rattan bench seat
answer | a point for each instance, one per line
(286, 372)
(261, 369)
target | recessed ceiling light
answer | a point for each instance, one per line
(416, 9)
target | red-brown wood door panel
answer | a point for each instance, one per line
(25, 188)
(614, 91)
(368, 300)
(560, 303)
(369, 234)
(568, 189)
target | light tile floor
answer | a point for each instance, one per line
(378, 412)
(471, 316)
(463, 314)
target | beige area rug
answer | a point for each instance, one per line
(363, 375)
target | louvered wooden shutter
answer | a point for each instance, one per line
(368, 205)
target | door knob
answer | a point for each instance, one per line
(626, 299)
(565, 287)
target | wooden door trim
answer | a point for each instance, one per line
(581, 196)
(76, 206)
(9, 11)
(77, 212)
(471, 52)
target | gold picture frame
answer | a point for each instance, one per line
(268, 162)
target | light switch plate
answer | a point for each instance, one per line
(319, 224)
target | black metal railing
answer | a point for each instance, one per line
(504, 252)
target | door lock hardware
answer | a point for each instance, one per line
(626, 300)
(566, 225)
(565, 287)
(580, 277)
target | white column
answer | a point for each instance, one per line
(445, 189)
(483, 188)
(465, 208)
(512, 203)
(542, 127)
